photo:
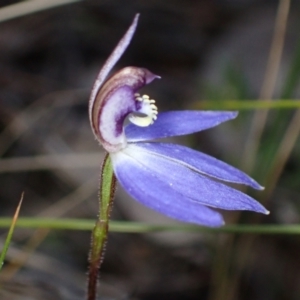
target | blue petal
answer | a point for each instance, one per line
(192, 185)
(200, 162)
(156, 193)
(174, 123)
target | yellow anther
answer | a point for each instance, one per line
(148, 108)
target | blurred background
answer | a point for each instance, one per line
(207, 52)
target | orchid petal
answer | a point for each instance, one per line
(193, 185)
(111, 61)
(175, 123)
(155, 192)
(200, 162)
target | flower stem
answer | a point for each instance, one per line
(100, 231)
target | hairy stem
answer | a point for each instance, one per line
(100, 231)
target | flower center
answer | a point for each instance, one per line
(147, 109)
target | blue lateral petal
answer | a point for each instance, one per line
(201, 163)
(152, 191)
(193, 185)
(175, 123)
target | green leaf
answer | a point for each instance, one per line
(10, 232)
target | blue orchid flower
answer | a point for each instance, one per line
(174, 180)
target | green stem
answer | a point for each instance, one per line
(100, 231)
(247, 104)
(141, 227)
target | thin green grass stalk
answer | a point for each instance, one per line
(10, 232)
(100, 231)
(254, 142)
(138, 227)
(293, 76)
(283, 132)
(247, 104)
